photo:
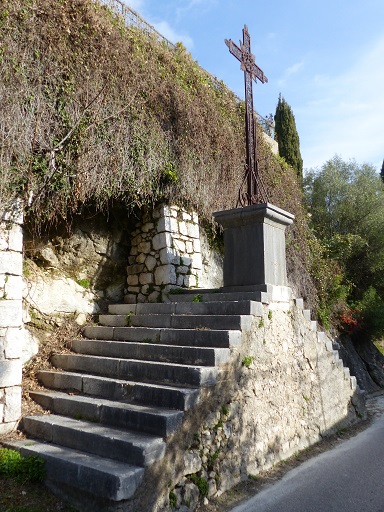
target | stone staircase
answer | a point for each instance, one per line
(123, 392)
(330, 346)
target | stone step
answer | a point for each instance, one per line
(313, 325)
(142, 393)
(182, 337)
(322, 337)
(131, 369)
(299, 303)
(126, 446)
(336, 356)
(215, 322)
(98, 476)
(240, 307)
(196, 356)
(151, 420)
(203, 296)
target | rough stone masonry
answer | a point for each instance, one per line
(165, 254)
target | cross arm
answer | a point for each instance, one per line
(258, 73)
(234, 49)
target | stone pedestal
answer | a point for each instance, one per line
(254, 246)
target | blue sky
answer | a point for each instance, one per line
(326, 57)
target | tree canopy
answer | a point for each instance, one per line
(287, 137)
(346, 202)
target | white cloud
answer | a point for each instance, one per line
(346, 116)
(294, 68)
(291, 70)
(169, 33)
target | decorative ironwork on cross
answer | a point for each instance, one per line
(255, 189)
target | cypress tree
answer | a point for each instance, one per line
(382, 172)
(287, 137)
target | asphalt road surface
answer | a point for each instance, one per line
(349, 478)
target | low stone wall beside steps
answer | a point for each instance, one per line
(11, 323)
(165, 254)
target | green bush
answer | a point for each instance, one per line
(372, 313)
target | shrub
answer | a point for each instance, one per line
(372, 313)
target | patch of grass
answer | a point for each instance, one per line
(172, 499)
(13, 465)
(85, 283)
(129, 319)
(20, 493)
(218, 425)
(201, 483)
(224, 410)
(212, 459)
(197, 298)
(247, 361)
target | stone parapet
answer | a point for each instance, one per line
(11, 323)
(165, 254)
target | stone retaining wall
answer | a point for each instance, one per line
(165, 254)
(283, 391)
(11, 323)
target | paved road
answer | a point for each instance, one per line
(349, 478)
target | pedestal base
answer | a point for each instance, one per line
(254, 245)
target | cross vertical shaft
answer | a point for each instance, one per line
(255, 189)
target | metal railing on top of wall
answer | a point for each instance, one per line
(131, 17)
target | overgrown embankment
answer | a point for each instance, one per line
(95, 113)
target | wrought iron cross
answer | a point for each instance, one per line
(255, 189)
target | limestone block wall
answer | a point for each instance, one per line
(284, 390)
(271, 142)
(11, 323)
(165, 254)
